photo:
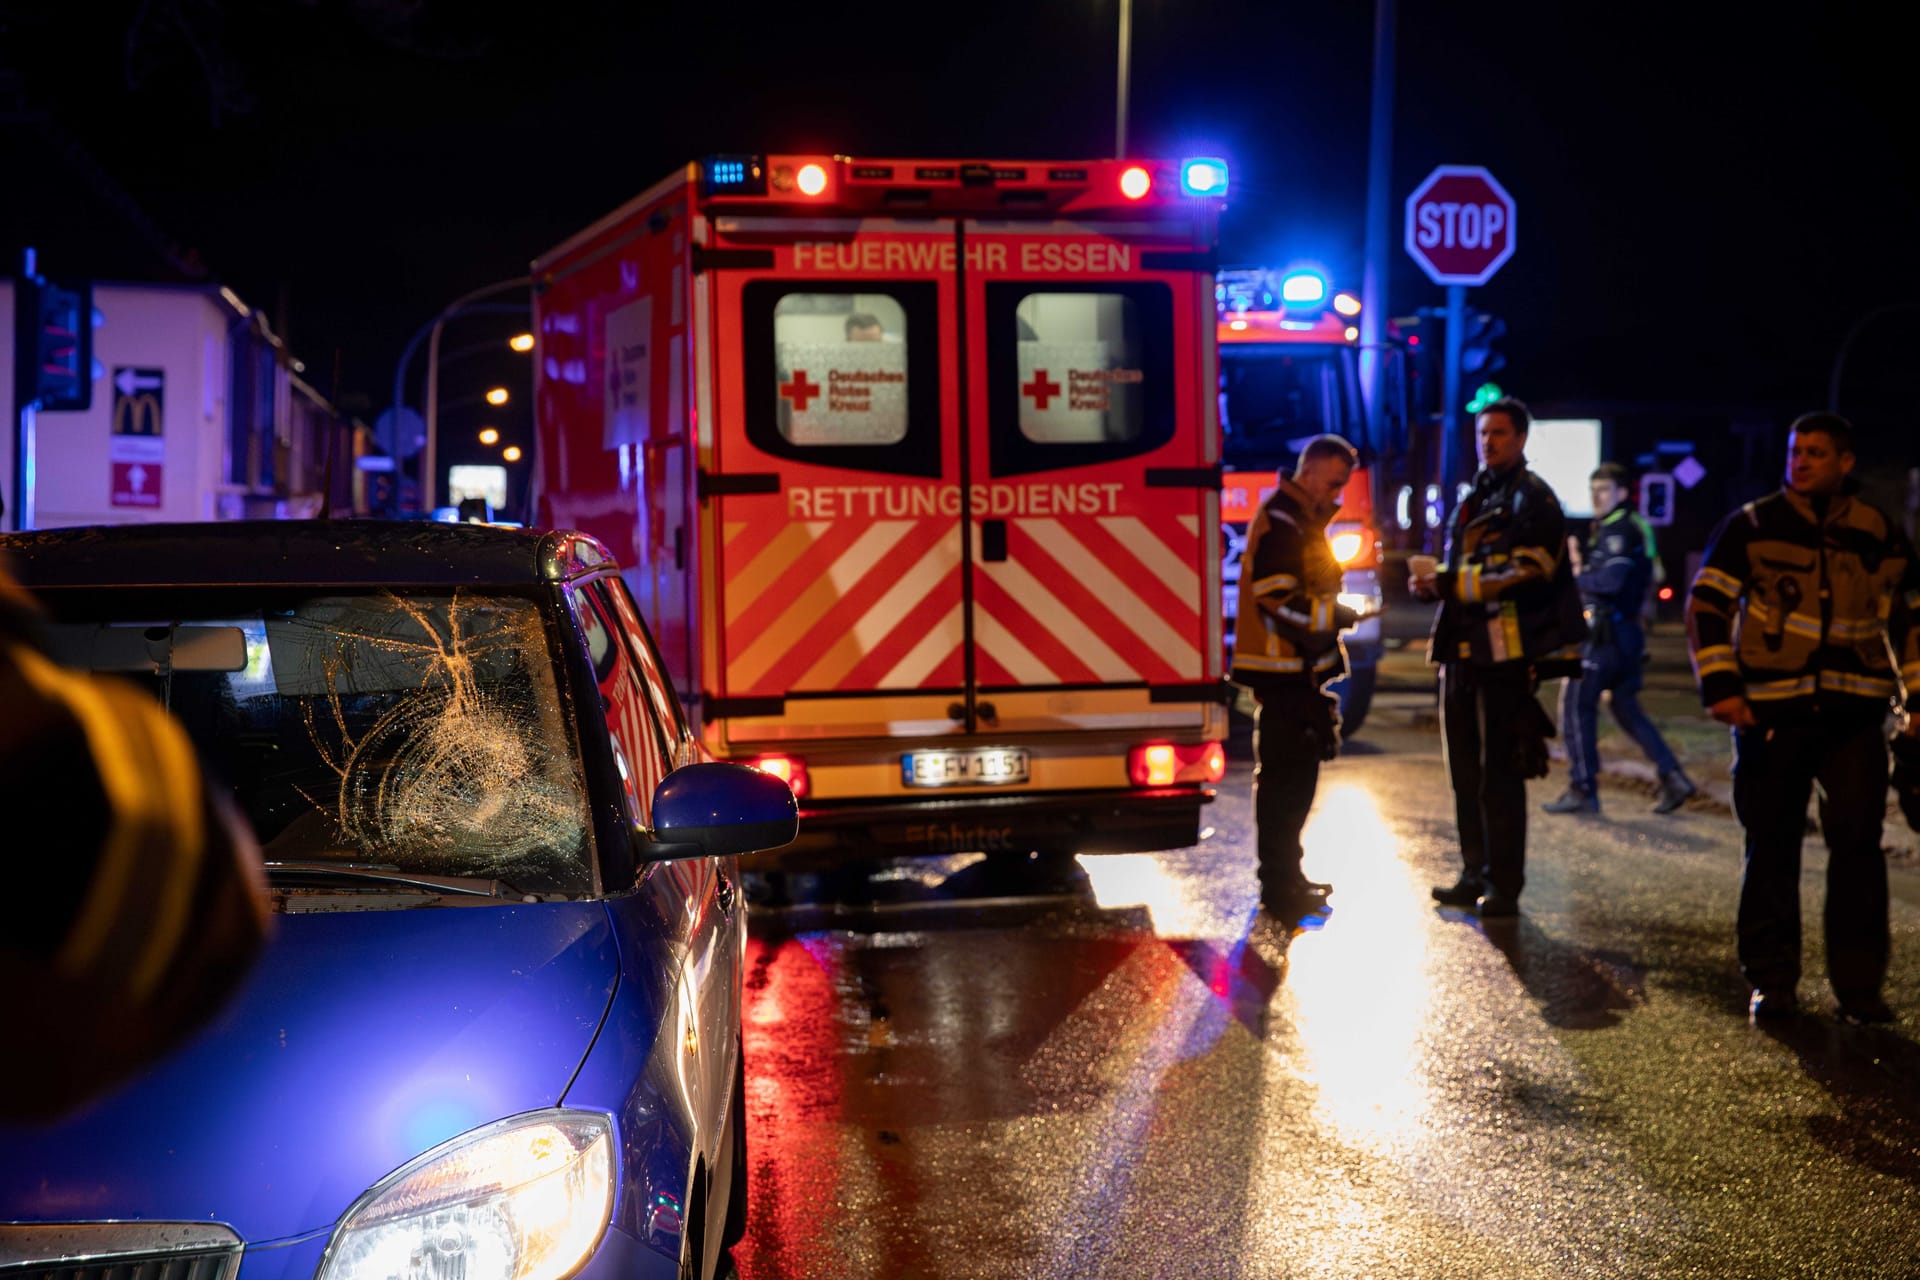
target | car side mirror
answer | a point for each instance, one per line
(720, 810)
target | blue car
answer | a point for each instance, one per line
(496, 1033)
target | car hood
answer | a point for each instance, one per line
(360, 1040)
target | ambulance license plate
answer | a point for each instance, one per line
(980, 766)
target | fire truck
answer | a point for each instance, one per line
(1289, 371)
(917, 462)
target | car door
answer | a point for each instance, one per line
(838, 479)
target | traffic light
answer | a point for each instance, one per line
(1424, 346)
(1656, 499)
(1477, 355)
(53, 344)
(1487, 393)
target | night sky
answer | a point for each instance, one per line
(1706, 204)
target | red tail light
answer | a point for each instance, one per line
(791, 770)
(1164, 764)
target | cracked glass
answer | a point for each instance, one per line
(422, 733)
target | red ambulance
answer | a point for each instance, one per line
(916, 464)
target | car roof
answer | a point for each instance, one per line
(298, 552)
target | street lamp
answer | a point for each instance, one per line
(521, 342)
(497, 396)
(511, 453)
(489, 436)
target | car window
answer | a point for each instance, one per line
(652, 673)
(418, 731)
(643, 739)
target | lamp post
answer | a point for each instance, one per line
(431, 330)
(1846, 344)
(1120, 97)
(427, 464)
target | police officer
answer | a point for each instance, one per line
(150, 902)
(1509, 617)
(1805, 602)
(1286, 649)
(1615, 575)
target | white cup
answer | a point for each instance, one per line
(1422, 566)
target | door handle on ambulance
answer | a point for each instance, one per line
(993, 539)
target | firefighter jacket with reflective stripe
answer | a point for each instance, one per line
(1288, 631)
(1796, 609)
(1506, 591)
(1617, 573)
(149, 901)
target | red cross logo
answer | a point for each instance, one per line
(1040, 389)
(800, 390)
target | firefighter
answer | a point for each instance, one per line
(1509, 617)
(150, 905)
(1805, 601)
(1286, 650)
(1615, 576)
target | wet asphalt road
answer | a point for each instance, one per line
(1120, 1069)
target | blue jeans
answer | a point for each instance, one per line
(1610, 667)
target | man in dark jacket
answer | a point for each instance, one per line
(1615, 575)
(1801, 624)
(1286, 649)
(1509, 617)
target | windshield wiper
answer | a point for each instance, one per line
(285, 872)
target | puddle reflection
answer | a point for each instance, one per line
(1173, 902)
(1359, 988)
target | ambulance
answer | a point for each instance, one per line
(918, 466)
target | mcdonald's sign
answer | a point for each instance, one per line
(139, 401)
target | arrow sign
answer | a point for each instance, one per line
(128, 380)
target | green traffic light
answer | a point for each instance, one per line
(1486, 395)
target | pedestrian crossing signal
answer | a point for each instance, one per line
(53, 344)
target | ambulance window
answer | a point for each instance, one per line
(844, 374)
(840, 368)
(1078, 376)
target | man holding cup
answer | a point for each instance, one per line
(1509, 617)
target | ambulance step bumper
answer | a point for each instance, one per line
(1141, 821)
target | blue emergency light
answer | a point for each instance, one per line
(1203, 176)
(1303, 288)
(734, 175)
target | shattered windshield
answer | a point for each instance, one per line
(417, 732)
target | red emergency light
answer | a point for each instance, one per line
(1164, 764)
(791, 770)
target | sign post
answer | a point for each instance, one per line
(1460, 229)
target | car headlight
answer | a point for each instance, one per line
(522, 1199)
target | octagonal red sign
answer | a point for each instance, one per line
(1460, 225)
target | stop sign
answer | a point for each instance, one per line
(1460, 225)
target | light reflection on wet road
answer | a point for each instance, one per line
(1118, 1068)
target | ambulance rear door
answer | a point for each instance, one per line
(833, 483)
(1094, 520)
